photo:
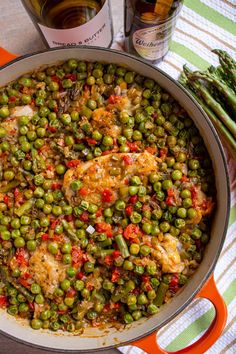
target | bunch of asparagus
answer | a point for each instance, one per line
(215, 91)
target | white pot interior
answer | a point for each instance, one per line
(95, 339)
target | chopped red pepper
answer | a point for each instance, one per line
(91, 141)
(115, 275)
(24, 282)
(84, 216)
(170, 201)
(21, 256)
(104, 227)
(193, 191)
(72, 77)
(73, 163)
(16, 193)
(6, 199)
(3, 301)
(45, 237)
(114, 99)
(174, 283)
(163, 152)
(128, 160)
(133, 199)
(77, 256)
(52, 129)
(69, 218)
(56, 186)
(129, 209)
(55, 79)
(71, 292)
(99, 213)
(83, 192)
(79, 275)
(131, 231)
(12, 98)
(133, 146)
(107, 196)
(108, 260)
(54, 223)
(171, 192)
(151, 150)
(116, 254)
(184, 178)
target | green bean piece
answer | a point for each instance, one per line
(122, 245)
(161, 292)
(24, 207)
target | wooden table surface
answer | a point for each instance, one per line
(18, 35)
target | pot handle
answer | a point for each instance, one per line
(210, 292)
(5, 56)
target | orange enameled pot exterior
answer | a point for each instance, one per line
(209, 290)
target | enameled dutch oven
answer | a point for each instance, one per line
(143, 332)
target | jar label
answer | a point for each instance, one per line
(97, 31)
(152, 43)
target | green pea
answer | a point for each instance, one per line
(3, 132)
(5, 235)
(128, 265)
(164, 226)
(129, 77)
(31, 245)
(65, 284)
(8, 175)
(88, 267)
(107, 141)
(193, 164)
(66, 259)
(19, 242)
(57, 210)
(74, 116)
(176, 175)
(185, 193)
(179, 223)
(25, 81)
(25, 220)
(53, 247)
(167, 184)
(66, 248)
(145, 250)
(182, 213)
(76, 185)
(3, 99)
(187, 202)
(66, 119)
(36, 324)
(136, 217)
(4, 112)
(38, 192)
(44, 222)
(147, 228)
(142, 299)
(35, 289)
(133, 190)
(79, 285)
(91, 80)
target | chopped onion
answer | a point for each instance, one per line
(90, 229)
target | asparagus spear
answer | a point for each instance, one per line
(201, 90)
(228, 64)
(222, 130)
(225, 90)
(5, 276)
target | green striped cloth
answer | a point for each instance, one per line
(203, 25)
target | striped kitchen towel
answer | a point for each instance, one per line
(203, 25)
